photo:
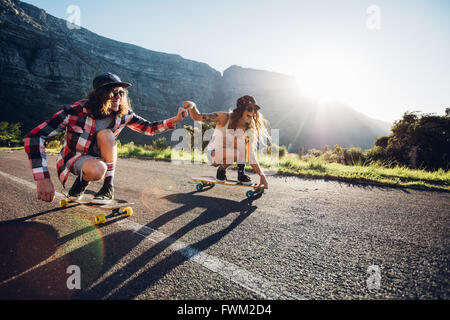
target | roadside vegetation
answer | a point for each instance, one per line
(316, 166)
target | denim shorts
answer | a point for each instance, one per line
(94, 153)
(76, 168)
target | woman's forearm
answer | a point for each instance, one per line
(257, 169)
(195, 114)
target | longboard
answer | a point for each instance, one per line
(115, 206)
(211, 182)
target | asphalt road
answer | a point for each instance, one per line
(303, 239)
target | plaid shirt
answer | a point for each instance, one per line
(80, 132)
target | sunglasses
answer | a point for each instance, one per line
(251, 109)
(121, 93)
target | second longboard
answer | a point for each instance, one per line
(116, 207)
(211, 181)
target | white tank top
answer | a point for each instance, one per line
(229, 134)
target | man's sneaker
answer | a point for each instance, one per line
(105, 195)
(78, 188)
(244, 179)
(221, 174)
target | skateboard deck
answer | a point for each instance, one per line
(209, 181)
(115, 206)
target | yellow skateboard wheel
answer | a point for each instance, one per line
(100, 219)
(63, 203)
(128, 212)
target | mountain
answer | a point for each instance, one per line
(45, 64)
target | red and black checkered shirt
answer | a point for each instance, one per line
(80, 131)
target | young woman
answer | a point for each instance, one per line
(233, 130)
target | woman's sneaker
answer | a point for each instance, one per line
(221, 174)
(244, 179)
(105, 194)
(78, 188)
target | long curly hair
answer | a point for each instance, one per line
(99, 102)
(258, 124)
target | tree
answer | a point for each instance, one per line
(418, 139)
(10, 134)
(382, 142)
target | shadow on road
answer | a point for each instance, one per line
(26, 270)
(23, 219)
(35, 260)
(113, 287)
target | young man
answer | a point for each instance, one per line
(89, 150)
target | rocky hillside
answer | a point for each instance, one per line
(45, 64)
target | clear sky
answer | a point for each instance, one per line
(381, 57)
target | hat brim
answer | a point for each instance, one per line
(116, 84)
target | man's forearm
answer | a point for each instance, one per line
(34, 143)
(35, 150)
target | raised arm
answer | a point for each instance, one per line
(146, 127)
(220, 117)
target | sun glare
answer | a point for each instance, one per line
(330, 78)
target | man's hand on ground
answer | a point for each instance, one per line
(45, 190)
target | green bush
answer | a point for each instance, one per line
(354, 156)
(376, 154)
(282, 151)
(314, 152)
(159, 144)
(10, 134)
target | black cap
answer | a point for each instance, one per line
(107, 79)
(246, 101)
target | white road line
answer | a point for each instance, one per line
(259, 285)
(26, 183)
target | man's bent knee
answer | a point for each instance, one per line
(94, 170)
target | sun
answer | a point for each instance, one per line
(330, 78)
